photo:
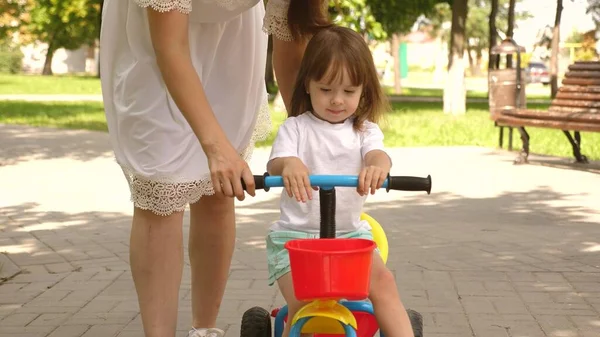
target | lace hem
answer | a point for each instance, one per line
(232, 4)
(166, 195)
(183, 6)
(275, 21)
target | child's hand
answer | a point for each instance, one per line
(370, 177)
(295, 179)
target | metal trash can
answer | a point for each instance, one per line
(506, 86)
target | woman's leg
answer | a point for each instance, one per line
(156, 258)
(211, 243)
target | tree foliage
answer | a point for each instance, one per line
(593, 8)
(63, 24)
(477, 25)
(380, 18)
(477, 28)
(399, 16)
(12, 13)
(356, 15)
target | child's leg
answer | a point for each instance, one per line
(287, 290)
(389, 310)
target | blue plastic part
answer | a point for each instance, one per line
(322, 181)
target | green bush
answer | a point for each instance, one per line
(11, 60)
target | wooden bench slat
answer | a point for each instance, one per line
(592, 66)
(582, 81)
(579, 88)
(504, 120)
(582, 74)
(553, 115)
(580, 96)
(575, 103)
(569, 110)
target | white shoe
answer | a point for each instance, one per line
(211, 332)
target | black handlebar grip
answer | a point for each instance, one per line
(404, 183)
(259, 182)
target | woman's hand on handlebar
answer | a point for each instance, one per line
(227, 170)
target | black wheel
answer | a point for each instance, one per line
(416, 320)
(256, 322)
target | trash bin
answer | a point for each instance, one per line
(506, 85)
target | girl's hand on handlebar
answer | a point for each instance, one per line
(296, 180)
(370, 179)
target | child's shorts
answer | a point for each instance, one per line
(278, 258)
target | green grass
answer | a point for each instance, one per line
(47, 85)
(90, 85)
(409, 125)
(424, 124)
(534, 92)
(69, 115)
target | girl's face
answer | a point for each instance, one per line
(334, 102)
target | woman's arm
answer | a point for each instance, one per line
(169, 34)
(287, 56)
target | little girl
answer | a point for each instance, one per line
(331, 129)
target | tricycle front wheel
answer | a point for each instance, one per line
(416, 321)
(256, 322)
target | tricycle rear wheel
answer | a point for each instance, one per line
(256, 322)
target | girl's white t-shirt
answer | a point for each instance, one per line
(325, 149)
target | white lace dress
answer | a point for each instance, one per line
(161, 157)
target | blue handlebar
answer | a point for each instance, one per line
(405, 183)
(323, 181)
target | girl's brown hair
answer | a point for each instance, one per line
(306, 17)
(328, 53)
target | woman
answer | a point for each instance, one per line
(185, 100)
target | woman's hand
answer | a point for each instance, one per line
(227, 169)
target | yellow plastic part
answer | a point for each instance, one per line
(378, 236)
(325, 317)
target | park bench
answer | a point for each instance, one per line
(575, 108)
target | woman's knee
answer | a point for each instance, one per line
(150, 217)
(216, 204)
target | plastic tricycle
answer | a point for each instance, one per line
(332, 274)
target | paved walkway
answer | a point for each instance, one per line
(496, 250)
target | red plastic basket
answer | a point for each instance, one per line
(331, 268)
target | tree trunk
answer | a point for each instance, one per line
(471, 60)
(511, 19)
(554, 50)
(493, 31)
(396, 56)
(511, 28)
(478, 58)
(48, 62)
(455, 89)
